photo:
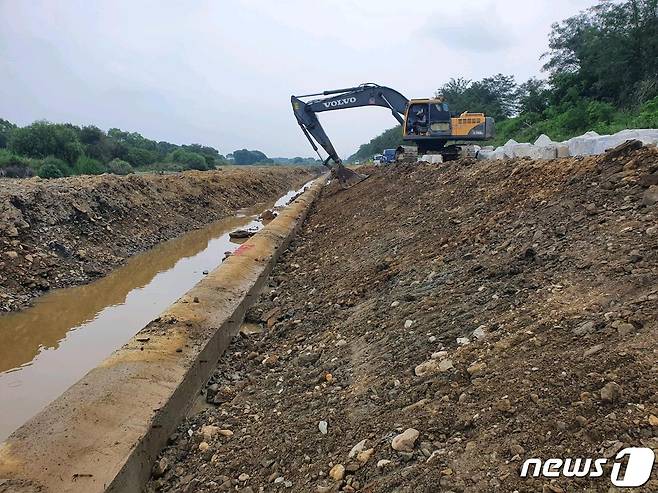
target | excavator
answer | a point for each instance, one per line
(426, 123)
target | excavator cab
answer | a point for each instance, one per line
(428, 118)
(429, 124)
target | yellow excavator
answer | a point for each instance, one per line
(426, 123)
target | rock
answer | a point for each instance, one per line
(341, 343)
(394, 304)
(404, 442)
(504, 405)
(439, 354)
(584, 328)
(476, 368)
(650, 196)
(653, 420)
(623, 328)
(225, 433)
(462, 341)
(160, 467)
(271, 360)
(323, 426)
(445, 365)
(12, 254)
(516, 449)
(203, 446)
(337, 473)
(241, 233)
(408, 324)
(427, 368)
(480, 332)
(308, 358)
(268, 215)
(209, 431)
(611, 392)
(382, 463)
(365, 455)
(593, 350)
(359, 447)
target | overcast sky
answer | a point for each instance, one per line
(221, 72)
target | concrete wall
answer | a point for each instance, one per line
(104, 432)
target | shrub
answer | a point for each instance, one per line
(89, 166)
(50, 170)
(140, 157)
(120, 167)
(42, 139)
(191, 160)
(60, 164)
(12, 166)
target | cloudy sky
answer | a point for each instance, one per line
(221, 72)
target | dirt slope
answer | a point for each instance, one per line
(57, 233)
(548, 269)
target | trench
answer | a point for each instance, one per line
(51, 345)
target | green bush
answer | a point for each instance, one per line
(89, 166)
(120, 167)
(12, 166)
(50, 170)
(165, 167)
(191, 160)
(42, 139)
(140, 157)
(60, 164)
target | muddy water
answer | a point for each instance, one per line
(46, 348)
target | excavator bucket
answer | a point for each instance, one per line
(346, 177)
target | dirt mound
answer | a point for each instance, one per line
(64, 232)
(434, 327)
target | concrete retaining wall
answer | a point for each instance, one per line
(104, 432)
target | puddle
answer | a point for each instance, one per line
(51, 345)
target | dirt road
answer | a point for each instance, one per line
(434, 327)
(65, 232)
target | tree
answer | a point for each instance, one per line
(6, 129)
(611, 50)
(191, 160)
(42, 139)
(532, 96)
(243, 156)
(495, 96)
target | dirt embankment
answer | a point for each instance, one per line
(64, 232)
(547, 270)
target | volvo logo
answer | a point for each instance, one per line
(339, 102)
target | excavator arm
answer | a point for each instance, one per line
(338, 99)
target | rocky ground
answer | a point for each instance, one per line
(64, 232)
(435, 326)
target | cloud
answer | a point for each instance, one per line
(480, 30)
(481, 39)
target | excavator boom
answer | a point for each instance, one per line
(351, 97)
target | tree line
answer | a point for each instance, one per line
(602, 75)
(54, 150)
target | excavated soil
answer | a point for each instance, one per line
(503, 309)
(65, 232)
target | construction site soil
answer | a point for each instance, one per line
(435, 326)
(65, 232)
